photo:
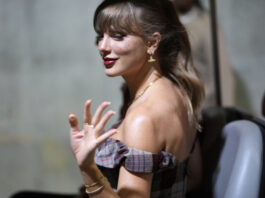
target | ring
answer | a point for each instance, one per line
(89, 125)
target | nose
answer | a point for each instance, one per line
(103, 44)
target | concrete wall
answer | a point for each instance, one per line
(49, 66)
(243, 26)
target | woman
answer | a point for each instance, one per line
(146, 154)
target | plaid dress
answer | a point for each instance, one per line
(169, 178)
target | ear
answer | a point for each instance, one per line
(153, 44)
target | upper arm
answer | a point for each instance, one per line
(134, 184)
(139, 132)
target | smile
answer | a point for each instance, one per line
(108, 62)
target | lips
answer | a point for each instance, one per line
(108, 62)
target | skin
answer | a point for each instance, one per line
(154, 122)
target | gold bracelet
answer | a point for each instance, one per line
(94, 184)
(97, 190)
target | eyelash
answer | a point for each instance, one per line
(98, 38)
(117, 36)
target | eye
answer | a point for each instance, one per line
(118, 36)
(98, 38)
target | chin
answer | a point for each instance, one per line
(110, 74)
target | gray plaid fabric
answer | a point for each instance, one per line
(169, 178)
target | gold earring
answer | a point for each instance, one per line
(151, 59)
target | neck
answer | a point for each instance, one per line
(138, 82)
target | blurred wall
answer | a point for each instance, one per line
(243, 26)
(49, 66)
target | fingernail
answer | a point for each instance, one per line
(112, 112)
(88, 101)
(70, 115)
(105, 104)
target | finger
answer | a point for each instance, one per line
(73, 122)
(99, 112)
(104, 120)
(105, 136)
(87, 114)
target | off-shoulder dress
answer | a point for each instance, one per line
(169, 178)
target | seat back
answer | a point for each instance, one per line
(239, 167)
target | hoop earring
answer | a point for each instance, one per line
(151, 59)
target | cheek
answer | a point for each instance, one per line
(123, 49)
(130, 48)
(139, 54)
(135, 54)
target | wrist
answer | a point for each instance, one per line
(96, 187)
(94, 180)
(90, 173)
(88, 168)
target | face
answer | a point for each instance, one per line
(123, 54)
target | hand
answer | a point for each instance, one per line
(85, 142)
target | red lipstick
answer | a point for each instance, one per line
(108, 62)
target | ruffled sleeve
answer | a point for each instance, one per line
(113, 153)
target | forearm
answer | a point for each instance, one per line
(92, 176)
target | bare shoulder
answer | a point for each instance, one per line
(139, 129)
(168, 101)
(158, 121)
(175, 121)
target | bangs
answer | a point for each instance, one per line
(117, 18)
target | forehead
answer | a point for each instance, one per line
(118, 18)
